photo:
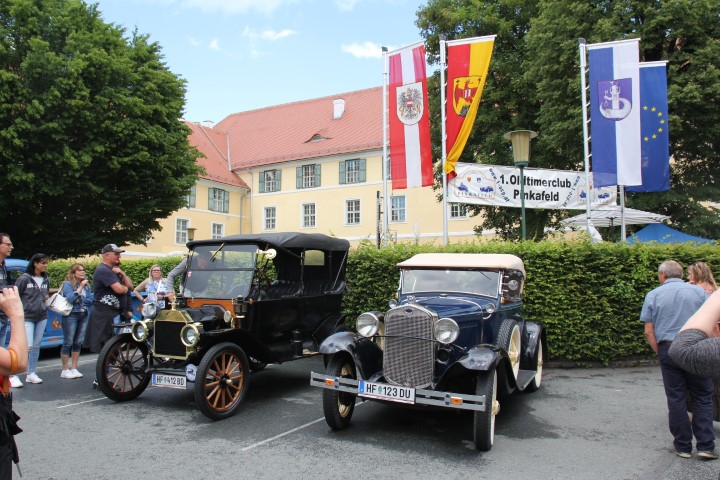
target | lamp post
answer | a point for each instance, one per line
(521, 154)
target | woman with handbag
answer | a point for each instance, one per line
(33, 286)
(156, 288)
(12, 360)
(76, 290)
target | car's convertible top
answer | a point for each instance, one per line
(500, 261)
(288, 240)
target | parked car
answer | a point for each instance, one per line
(246, 301)
(455, 338)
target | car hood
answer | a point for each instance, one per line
(453, 306)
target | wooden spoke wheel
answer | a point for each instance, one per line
(222, 381)
(121, 368)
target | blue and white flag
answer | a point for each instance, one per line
(654, 125)
(615, 112)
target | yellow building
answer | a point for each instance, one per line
(312, 166)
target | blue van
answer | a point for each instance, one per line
(53, 336)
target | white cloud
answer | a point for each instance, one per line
(363, 50)
(272, 35)
(194, 42)
(346, 5)
(214, 44)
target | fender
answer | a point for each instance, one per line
(367, 354)
(532, 336)
(481, 358)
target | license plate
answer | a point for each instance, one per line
(382, 391)
(168, 381)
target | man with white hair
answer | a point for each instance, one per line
(665, 311)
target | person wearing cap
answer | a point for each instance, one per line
(111, 287)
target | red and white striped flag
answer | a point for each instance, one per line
(410, 155)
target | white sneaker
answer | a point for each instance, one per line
(33, 378)
(15, 381)
(76, 373)
(67, 374)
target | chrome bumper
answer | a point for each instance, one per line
(460, 401)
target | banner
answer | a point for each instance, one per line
(468, 62)
(654, 126)
(500, 186)
(410, 154)
(615, 112)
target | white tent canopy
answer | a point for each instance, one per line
(611, 217)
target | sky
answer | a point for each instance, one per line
(239, 55)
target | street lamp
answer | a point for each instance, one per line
(521, 154)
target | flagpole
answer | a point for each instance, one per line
(622, 213)
(586, 139)
(444, 140)
(385, 143)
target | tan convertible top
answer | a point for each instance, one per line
(496, 261)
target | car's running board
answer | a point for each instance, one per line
(462, 401)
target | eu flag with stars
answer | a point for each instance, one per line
(654, 127)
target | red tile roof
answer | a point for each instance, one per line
(283, 132)
(213, 144)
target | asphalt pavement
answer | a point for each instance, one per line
(600, 423)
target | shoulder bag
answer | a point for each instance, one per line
(59, 304)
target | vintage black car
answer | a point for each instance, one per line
(246, 301)
(454, 338)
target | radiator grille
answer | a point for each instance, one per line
(166, 339)
(409, 347)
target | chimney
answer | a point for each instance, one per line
(338, 108)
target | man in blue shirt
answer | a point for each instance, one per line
(665, 311)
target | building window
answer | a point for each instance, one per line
(458, 210)
(181, 230)
(308, 215)
(352, 171)
(218, 200)
(307, 176)
(352, 212)
(397, 210)
(270, 181)
(190, 198)
(270, 216)
(218, 230)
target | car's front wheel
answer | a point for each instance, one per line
(339, 406)
(484, 422)
(537, 379)
(222, 381)
(121, 368)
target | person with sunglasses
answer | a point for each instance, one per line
(77, 291)
(156, 288)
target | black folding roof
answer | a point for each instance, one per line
(287, 240)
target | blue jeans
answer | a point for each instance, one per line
(3, 332)
(678, 383)
(34, 332)
(74, 326)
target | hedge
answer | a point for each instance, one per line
(588, 296)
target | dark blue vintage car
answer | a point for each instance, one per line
(454, 338)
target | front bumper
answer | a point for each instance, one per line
(459, 401)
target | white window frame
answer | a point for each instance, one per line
(220, 198)
(308, 219)
(270, 180)
(398, 213)
(308, 176)
(267, 218)
(352, 211)
(181, 230)
(214, 234)
(458, 211)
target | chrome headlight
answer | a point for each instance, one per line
(446, 330)
(140, 330)
(367, 324)
(227, 316)
(190, 334)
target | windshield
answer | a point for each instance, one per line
(220, 271)
(476, 282)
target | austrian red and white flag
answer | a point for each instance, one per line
(410, 155)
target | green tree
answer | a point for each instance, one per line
(92, 148)
(534, 83)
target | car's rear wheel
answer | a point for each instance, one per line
(121, 368)
(222, 381)
(509, 339)
(484, 422)
(537, 379)
(339, 406)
